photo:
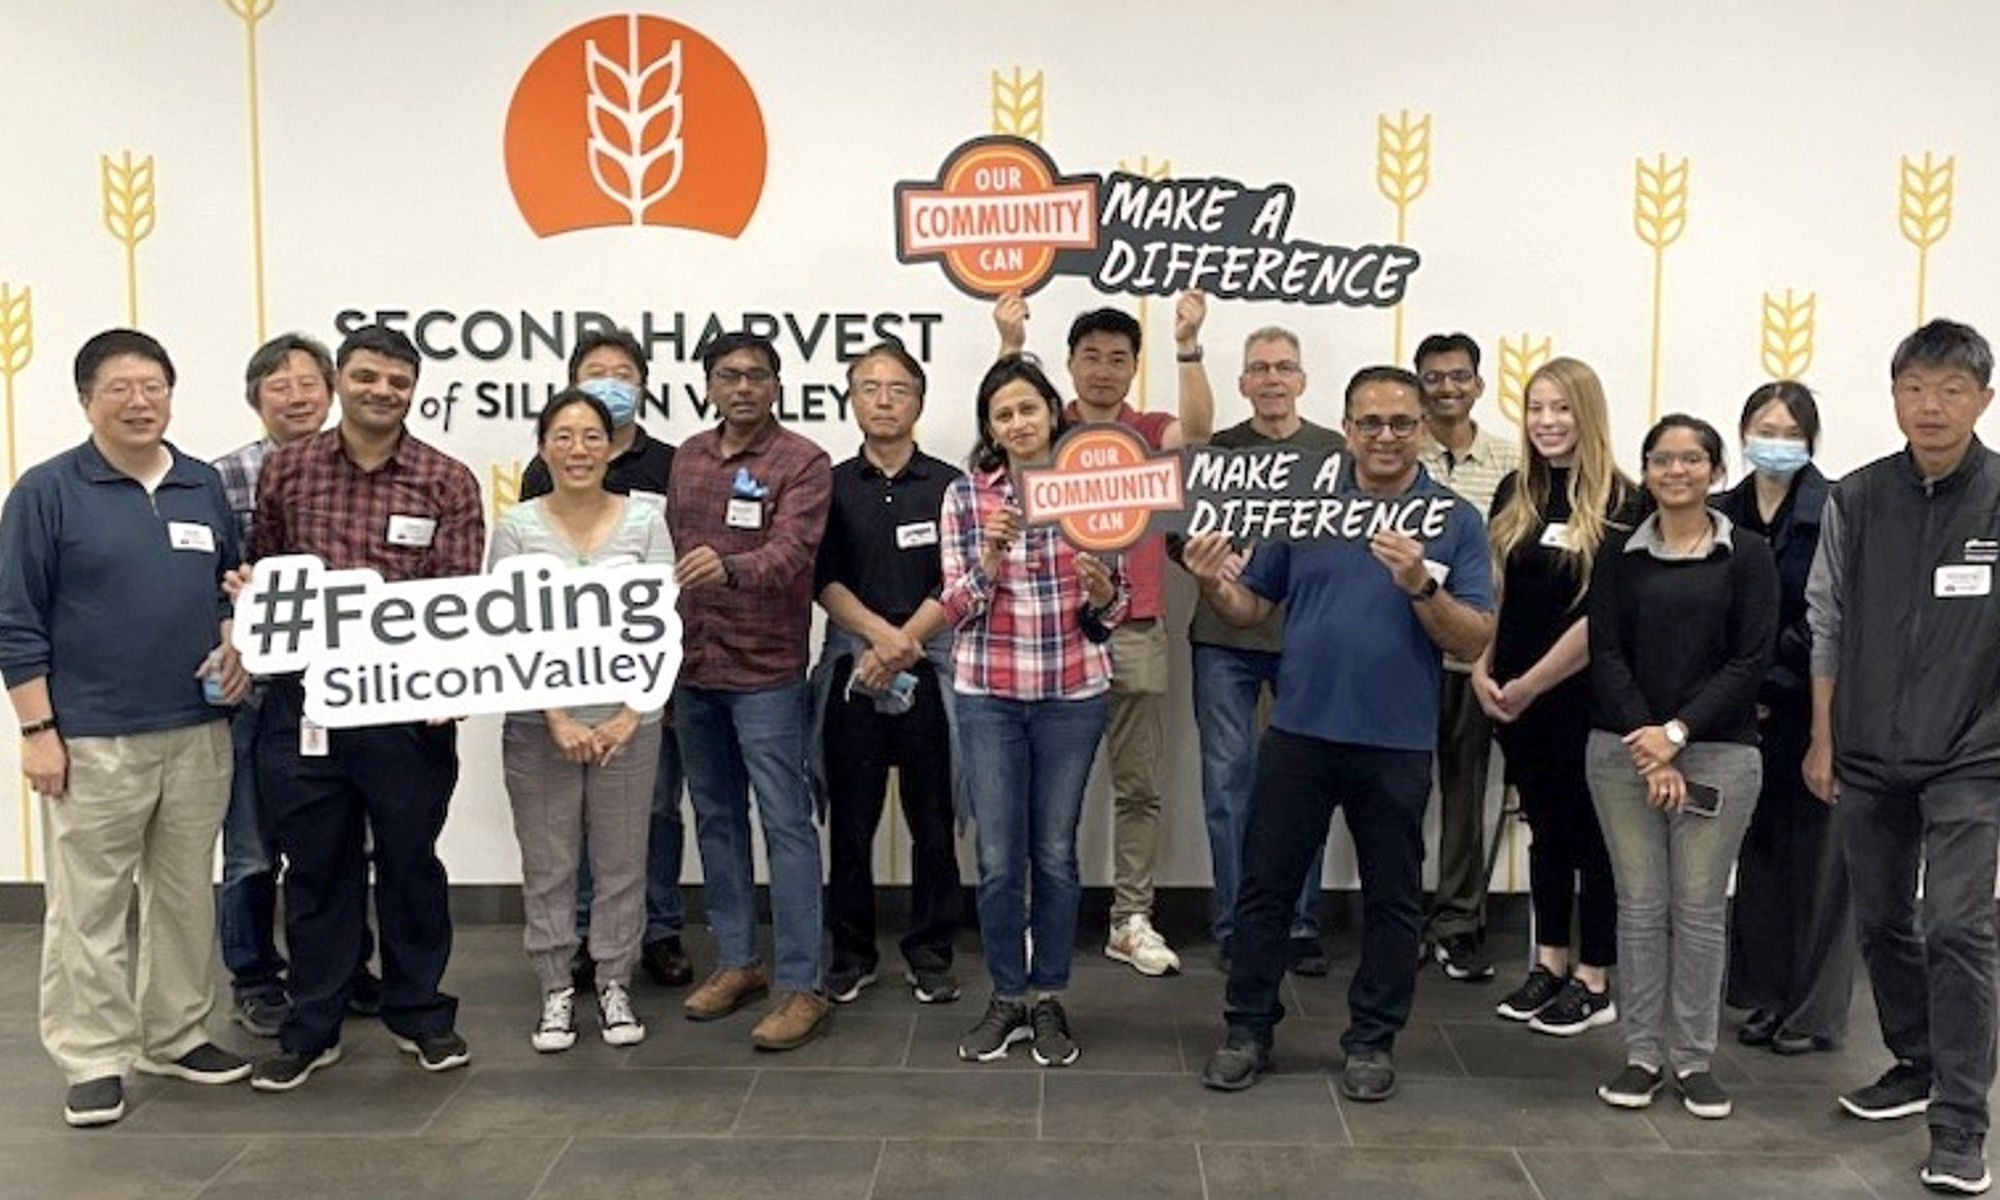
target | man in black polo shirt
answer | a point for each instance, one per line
(878, 568)
(611, 365)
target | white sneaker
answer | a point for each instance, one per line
(557, 1028)
(621, 1025)
(1135, 942)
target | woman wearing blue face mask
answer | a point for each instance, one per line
(1791, 953)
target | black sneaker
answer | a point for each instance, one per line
(97, 1101)
(283, 1071)
(364, 994)
(206, 1063)
(1052, 1046)
(1005, 1022)
(436, 1051)
(1370, 1075)
(1534, 995)
(1759, 1028)
(1460, 956)
(260, 1016)
(666, 963)
(1635, 1087)
(1237, 1063)
(1309, 958)
(932, 985)
(1904, 1090)
(1957, 1162)
(1574, 1010)
(845, 981)
(1702, 1096)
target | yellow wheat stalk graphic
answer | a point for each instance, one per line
(17, 346)
(504, 481)
(1148, 169)
(1519, 359)
(1788, 333)
(1017, 104)
(129, 213)
(250, 12)
(1402, 172)
(1924, 211)
(1659, 215)
(620, 120)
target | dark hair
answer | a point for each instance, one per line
(1105, 320)
(1710, 440)
(567, 398)
(268, 357)
(1798, 400)
(726, 344)
(620, 340)
(1945, 343)
(1445, 343)
(1380, 374)
(112, 343)
(382, 340)
(894, 350)
(988, 455)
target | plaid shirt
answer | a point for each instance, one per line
(239, 469)
(1018, 632)
(312, 499)
(752, 635)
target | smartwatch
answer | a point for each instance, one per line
(1677, 732)
(1425, 592)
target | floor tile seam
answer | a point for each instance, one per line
(1444, 1034)
(1201, 1170)
(875, 1176)
(743, 1105)
(1340, 1111)
(542, 1181)
(464, 1081)
(202, 1189)
(909, 1044)
(1870, 1188)
(1534, 1185)
(1041, 1104)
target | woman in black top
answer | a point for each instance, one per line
(1791, 945)
(1682, 617)
(1548, 521)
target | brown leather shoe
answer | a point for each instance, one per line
(797, 1019)
(729, 989)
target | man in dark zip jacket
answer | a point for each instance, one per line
(1906, 738)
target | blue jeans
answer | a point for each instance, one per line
(666, 911)
(1027, 763)
(247, 908)
(730, 743)
(1226, 682)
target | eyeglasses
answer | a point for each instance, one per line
(1401, 427)
(1287, 367)
(589, 439)
(1662, 460)
(730, 376)
(1458, 375)
(895, 389)
(123, 390)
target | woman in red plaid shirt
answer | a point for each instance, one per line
(1031, 670)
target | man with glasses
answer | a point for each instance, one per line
(1233, 666)
(1470, 461)
(1365, 627)
(747, 507)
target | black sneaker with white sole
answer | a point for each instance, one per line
(1461, 957)
(1536, 993)
(283, 1071)
(1904, 1090)
(932, 985)
(1575, 1010)
(1005, 1022)
(1635, 1087)
(1703, 1097)
(97, 1101)
(206, 1063)
(1957, 1163)
(846, 981)
(1052, 1045)
(436, 1051)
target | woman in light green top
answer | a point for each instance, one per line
(587, 768)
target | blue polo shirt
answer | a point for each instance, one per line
(1357, 666)
(95, 595)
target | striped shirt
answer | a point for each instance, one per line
(417, 516)
(1020, 636)
(1475, 475)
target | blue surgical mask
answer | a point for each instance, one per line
(620, 398)
(1781, 457)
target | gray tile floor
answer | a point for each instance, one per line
(880, 1108)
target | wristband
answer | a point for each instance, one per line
(1188, 356)
(34, 727)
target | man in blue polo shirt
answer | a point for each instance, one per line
(111, 615)
(1366, 626)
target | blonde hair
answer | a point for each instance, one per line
(1594, 478)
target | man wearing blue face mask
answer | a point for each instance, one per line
(611, 365)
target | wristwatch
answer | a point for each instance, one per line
(1188, 356)
(1677, 732)
(34, 727)
(1425, 592)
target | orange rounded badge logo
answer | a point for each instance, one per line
(635, 119)
(996, 216)
(1102, 487)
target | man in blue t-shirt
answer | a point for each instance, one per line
(1367, 623)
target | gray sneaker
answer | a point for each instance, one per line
(1237, 1063)
(97, 1101)
(206, 1063)
(1957, 1162)
(260, 1016)
(1369, 1076)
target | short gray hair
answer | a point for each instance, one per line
(272, 355)
(1271, 333)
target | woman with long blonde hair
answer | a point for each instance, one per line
(1548, 522)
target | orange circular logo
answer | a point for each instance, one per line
(997, 215)
(1102, 487)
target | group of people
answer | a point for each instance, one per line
(1791, 678)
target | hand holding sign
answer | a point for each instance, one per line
(1210, 558)
(997, 536)
(1189, 312)
(1096, 580)
(1010, 317)
(1403, 556)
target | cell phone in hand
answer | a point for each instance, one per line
(1702, 800)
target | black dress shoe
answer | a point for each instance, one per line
(1786, 1041)
(666, 963)
(1759, 1029)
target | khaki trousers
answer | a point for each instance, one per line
(1133, 738)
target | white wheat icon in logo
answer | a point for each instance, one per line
(621, 154)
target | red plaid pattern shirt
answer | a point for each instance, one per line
(1019, 635)
(313, 499)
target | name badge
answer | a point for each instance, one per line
(412, 531)
(1437, 570)
(312, 739)
(744, 514)
(916, 533)
(1556, 537)
(190, 535)
(1971, 579)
